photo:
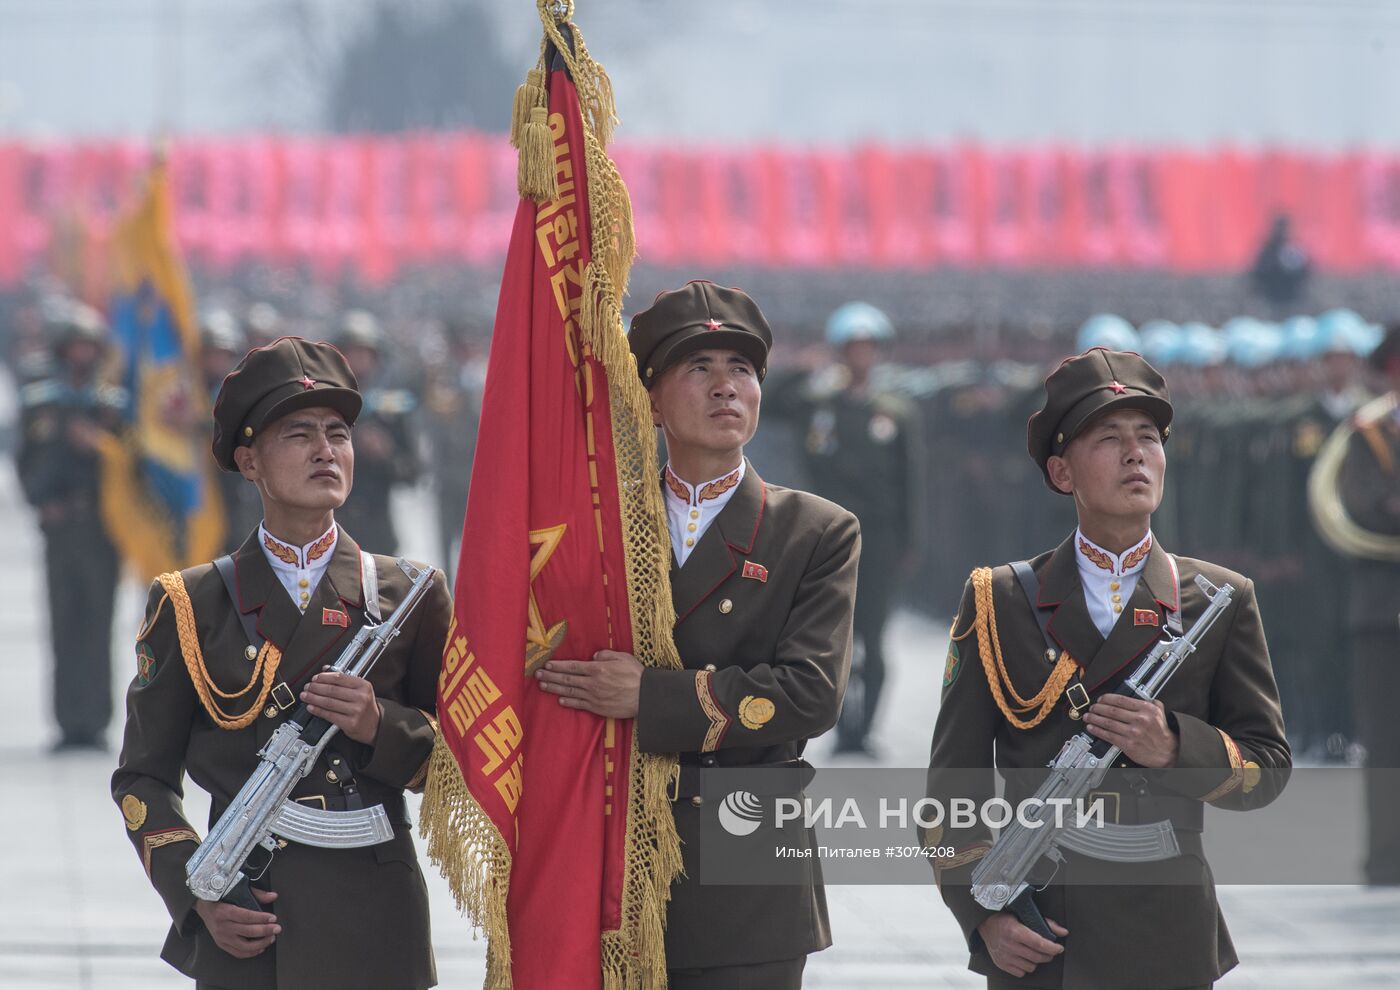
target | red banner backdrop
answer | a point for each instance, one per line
(374, 204)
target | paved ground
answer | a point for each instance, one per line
(77, 912)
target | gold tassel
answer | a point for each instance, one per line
(536, 178)
(602, 107)
(528, 95)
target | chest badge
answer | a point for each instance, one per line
(756, 571)
(335, 617)
(1145, 617)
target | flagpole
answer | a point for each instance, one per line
(169, 82)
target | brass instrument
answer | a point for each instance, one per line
(1336, 527)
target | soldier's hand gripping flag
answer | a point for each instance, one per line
(554, 832)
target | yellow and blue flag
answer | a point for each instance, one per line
(160, 500)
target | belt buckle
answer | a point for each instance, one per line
(1078, 699)
(280, 692)
(313, 800)
(1117, 800)
(673, 789)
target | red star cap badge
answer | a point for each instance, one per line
(714, 324)
(1118, 389)
(307, 382)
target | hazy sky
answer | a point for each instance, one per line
(1291, 72)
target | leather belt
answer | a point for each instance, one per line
(1129, 808)
(787, 777)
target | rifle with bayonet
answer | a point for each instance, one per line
(1002, 878)
(240, 846)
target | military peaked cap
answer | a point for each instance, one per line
(698, 316)
(288, 374)
(1088, 384)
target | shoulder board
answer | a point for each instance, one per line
(112, 395)
(893, 404)
(967, 607)
(391, 401)
(41, 393)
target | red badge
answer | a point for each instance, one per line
(334, 617)
(756, 571)
(1144, 617)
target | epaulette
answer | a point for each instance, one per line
(963, 621)
(893, 404)
(112, 396)
(391, 401)
(826, 384)
(40, 393)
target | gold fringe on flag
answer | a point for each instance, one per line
(461, 838)
(472, 855)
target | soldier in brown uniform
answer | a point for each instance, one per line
(763, 579)
(227, 650)
(1368, 488)
(1067, 636)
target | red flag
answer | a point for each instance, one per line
(554, 834)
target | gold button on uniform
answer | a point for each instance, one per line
(1117, 598)
(1117, 608)
(726, 606)
(690, 541)
(710, 667)
(250, 651)
(697, 800)
(695, 513)
(690, 527)
(304, 583)
(331, 776)
(1113, 586)
(270, 711)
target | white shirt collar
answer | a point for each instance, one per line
(1094, 559)
(299, 569)
(1109, 579)
(715, 490)
(691, 509)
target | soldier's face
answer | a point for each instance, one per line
(707, 401)
(1115, 466)
(81, 355)
(302, 462)
(861, 355)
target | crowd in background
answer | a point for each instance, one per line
(1255, 400)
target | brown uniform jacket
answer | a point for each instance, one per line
(766, 659)
(350, 917)
(1224, 705)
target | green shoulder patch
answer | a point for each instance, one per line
(145, 663)
(953, 667)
